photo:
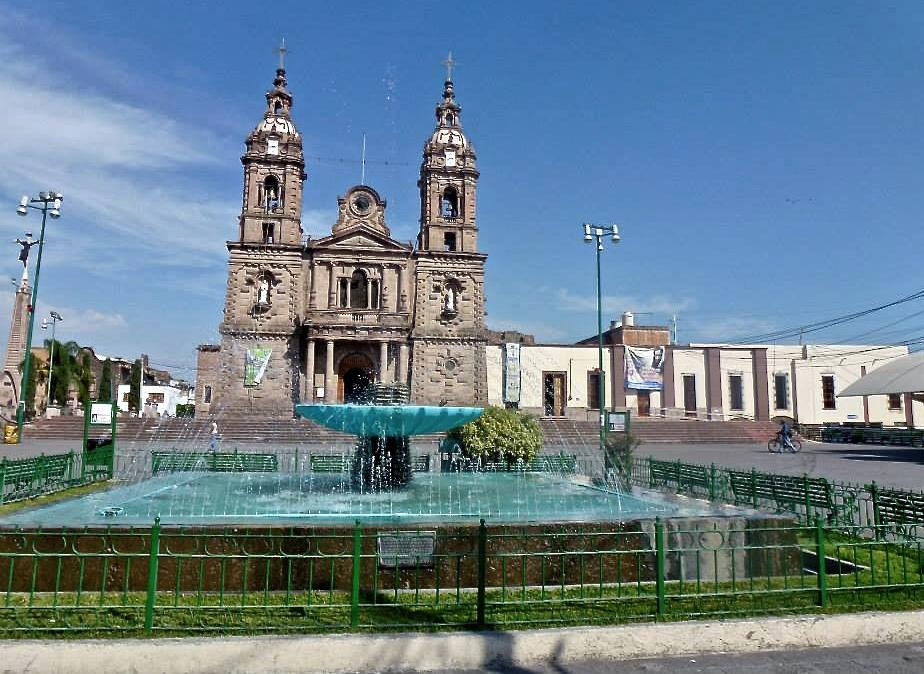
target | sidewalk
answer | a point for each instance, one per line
(495, 651)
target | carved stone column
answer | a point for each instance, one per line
(401, 366)
(383, 362)
(309, 370)
(313, 293)
(402, 295)
(329, 393)
(331, 287)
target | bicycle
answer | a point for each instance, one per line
(776, 446)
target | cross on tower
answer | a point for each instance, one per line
(282, 54)
(450, 63)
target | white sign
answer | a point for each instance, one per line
(101, 413)
(645, 368)
(511, 373)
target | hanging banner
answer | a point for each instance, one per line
(645, 368)
(255, 362)
(511, 373)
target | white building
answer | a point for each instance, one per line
(703, 381)
(158, 400)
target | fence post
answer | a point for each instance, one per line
(754, 487)
(659, 566)
(357, 561)
(153, 559)
(874, 492)
(114, 418)
(822, 571)
(482, 574)
(807, 497)
(87, 406)
(2, 478)
(712, 481)
(650, 476)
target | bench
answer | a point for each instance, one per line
(787, 493)
(22, 478)
(683, 477)
(216, 462)
(551, 463)
(897, 511)
(330, 463)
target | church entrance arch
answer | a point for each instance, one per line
(355, 374)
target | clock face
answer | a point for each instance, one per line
(361, 204)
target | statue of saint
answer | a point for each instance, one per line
(450, 301)
(26, 244)
(263, 292)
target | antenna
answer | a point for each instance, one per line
(362, 180)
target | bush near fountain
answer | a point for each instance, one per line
(500, 435)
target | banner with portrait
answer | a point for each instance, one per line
(255, 362)
(645, 368)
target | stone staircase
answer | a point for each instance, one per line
(257, 430)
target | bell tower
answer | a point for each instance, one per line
(448, 336)
(265, 291)
(448, 180)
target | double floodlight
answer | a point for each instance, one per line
(45, 198)
(591, 231)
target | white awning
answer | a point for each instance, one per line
(902, 375)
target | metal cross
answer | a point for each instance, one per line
(282, 54)
(450, 63)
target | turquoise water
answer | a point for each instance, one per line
(309, 498)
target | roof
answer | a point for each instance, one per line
(902, 375)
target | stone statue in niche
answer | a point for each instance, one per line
(450, 299)
(263, 291)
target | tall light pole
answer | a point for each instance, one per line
(55, 317)
(595, 233)
(49, 203)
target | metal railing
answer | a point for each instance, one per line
(168, 581)
(21, 479)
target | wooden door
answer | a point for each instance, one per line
(689, 394)
(644, 403)
(555, 394)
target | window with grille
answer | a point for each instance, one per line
(829, 402)
(781, 391)
(895, 401)
(736, 392)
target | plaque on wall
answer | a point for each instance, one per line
(406, 548)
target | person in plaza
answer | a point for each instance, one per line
(785, 434)
(213, 440)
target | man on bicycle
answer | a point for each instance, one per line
(785, 434)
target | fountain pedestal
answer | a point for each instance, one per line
(381, 463)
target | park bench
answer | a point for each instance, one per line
(897, 511)
(787, 493)
(682, 477)
(330, 463)
(22, 478)
(551, 463)
(223, 462)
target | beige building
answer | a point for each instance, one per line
(699, 381)
(319, 320)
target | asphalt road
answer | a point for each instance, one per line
(890, 659)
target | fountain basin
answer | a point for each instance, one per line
(388, 420)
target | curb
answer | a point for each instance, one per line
(457, 650)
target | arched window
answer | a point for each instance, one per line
(272, 197)
(450, 119)
(277, 108)
(359, 290)
(450, 203)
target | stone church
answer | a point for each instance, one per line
(319, 320)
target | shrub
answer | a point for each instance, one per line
(619, 456)
(500, 435)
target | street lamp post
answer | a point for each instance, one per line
(55, 317)
(594, 233)
(49, 203)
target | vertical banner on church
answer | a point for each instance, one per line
(511, 373)
(255, 362)
(645, 368)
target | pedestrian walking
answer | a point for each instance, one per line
(213, 441)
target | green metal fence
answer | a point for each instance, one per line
(890, 513)
(26, 478)
(169, 581)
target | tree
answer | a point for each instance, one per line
(134, 387)
(104, 392)
(71, 368)
(500, 435)
(619, 456)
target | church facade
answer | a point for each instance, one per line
(319, 320)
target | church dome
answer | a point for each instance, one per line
(276, 124)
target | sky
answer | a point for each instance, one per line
(762, 159)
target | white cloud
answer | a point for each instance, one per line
(617, 304)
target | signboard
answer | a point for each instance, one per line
(255, 362)
(645, 368)
(617, 422)
(101, 413)
(511, 373)
(406, 548)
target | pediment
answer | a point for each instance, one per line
(358, 237)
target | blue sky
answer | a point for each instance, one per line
(763, 159)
